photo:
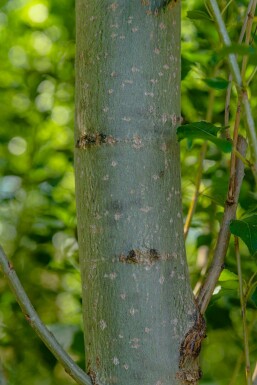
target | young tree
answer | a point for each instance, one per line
(141, 322)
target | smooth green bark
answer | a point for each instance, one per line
(137, 301)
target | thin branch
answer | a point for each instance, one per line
(237, 78)
(200, 162)
(35, 322)
(197, 189)
(251, 76)
(248, 35)
(243, 312)
(232, 173)
(229, 88)
(224, 233)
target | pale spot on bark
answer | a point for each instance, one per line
(105, 109)
(160, 73)
(121, 336)
(174, 255)
(113, 35)
(128, 81)
(115, 361)
(114, 6)
(164, 147)
(117, 216)
(114, 25)
(125, 366)
(134, 29)
(137, 142)
(92, 18)
(113, 74)
(133, 311)
(110, 91)
(146, 209)
(182, 277)
(147, 330)
(157, 51)
(161, 279)
(155, 177)
(162, 26)
(123, 296)
(154, 81)
(149, 94)
(178, 215)
(172, 274)
(103, 324)
(122, 37)
(168, 199)
(159, 382)
(166, 67)
(114, 164)
(171, 220)
(164, 118)
(112, 276)
(135, 343)
(126, 119)
(135, 69)
(106, 177)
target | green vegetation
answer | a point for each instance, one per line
(37, 211)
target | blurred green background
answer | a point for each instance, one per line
(37, 203)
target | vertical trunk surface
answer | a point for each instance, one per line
(137, 301)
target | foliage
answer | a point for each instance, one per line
(37, 212)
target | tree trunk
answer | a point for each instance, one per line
(138, 307)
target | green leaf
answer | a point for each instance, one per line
(186, 66)
(228, 275)
(206, 131)
(217, 83)
(246, 229)
(254, 297)
(198, 15)
(237, 49)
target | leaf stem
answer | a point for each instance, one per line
(243, 311)
(217, 265)
(35, 322)
(200, 162)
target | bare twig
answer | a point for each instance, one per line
(248, 31)
(232, 181)
(35, 322)
(224, 233)
(243, 312)
(228, 93)
(234, 67)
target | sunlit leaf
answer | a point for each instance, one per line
(246, 229)
(228, 275)
(217, 83)
(206, 131)
(198, 15)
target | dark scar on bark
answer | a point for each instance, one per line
(98, 138)
(189, 370)
(137, 256)
(156, 8)
(93, 376)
